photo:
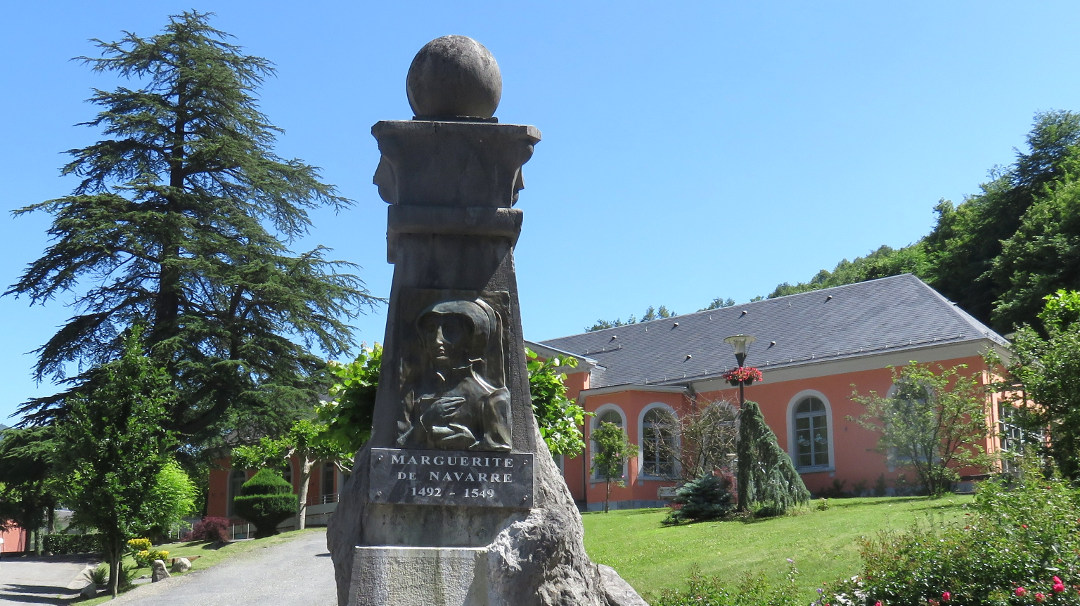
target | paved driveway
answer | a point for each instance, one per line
(297, 573)
(26, 580)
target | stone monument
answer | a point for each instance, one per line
(455, 499)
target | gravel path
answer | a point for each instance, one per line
(297, 573)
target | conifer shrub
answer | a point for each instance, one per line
(768, 483)
(706, 498)
(265, 500)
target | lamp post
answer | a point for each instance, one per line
(740, 343)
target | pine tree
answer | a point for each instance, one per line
(181, 221)
(766, 475)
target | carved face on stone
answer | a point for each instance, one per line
(455, 333)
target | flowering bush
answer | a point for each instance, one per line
(1019, 545)
(143, 553)
(742, 374)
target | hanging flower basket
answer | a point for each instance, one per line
(743, 374)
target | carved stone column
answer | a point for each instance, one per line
(455, 498)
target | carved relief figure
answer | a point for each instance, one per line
(452, 405)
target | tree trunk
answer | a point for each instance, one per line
(607, 494)
(305, 480)
(114, 575)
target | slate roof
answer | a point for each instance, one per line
(874, 317)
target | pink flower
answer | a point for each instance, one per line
(877, 603)
(946, 596)
(1020, 592)
(1040, 597)
(1058, 585)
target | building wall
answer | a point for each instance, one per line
(853, 465)
(637, 489)
(15, 539)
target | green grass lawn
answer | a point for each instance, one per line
(823, 544)
(654, 558)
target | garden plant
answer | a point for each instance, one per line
(265, 500)
(1019, 544)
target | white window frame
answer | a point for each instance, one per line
(793, 443)
(641, 442)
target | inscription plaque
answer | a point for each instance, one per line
(445, 477)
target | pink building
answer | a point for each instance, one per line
(814, 349)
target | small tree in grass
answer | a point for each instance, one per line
(766, 474)
(932, 422)
(707, 434)
(612, 451)
(265, 500)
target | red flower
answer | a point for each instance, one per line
(742, 374)
(946, 596)
(1020, 592)
(1058, 585)
(1040, 597)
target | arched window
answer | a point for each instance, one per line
(609, 413)
(811, 422)
(236, 480)
(659, 447)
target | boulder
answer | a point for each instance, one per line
(160, 572)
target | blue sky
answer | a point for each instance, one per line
(691, 150)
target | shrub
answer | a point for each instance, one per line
(139, 544)
(1021, 538)
(170, 499)
(210, 528)
(65, 544)
(706, 498)
(266, 500)
(98, 576)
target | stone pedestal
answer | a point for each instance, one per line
(455, 498)
(457, 576)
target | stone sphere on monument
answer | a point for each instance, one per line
(454, 77)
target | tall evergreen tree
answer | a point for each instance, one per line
(181, 221)
(967, 239)
(766, 476)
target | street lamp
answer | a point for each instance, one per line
(740, 343)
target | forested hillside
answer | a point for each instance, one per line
(1000, 251)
